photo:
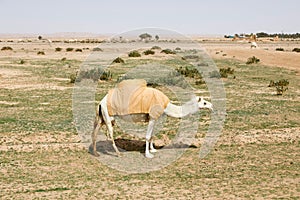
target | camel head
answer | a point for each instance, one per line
(202, 104)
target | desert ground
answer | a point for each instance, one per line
(42, 156)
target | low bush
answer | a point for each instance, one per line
(69, 49)
(188, 72)
(296, 50)
(118, 60)
(279, 49)
(78, 50)
(252, 60)
(58, 49)
(106, 75)
(281, 86)
(222, 73)
(214, 74)
(168, 51)
(97, 49)
(225, 71)
(156, 48)
(40, 53)
(6, 49)
(73, 78)
(64, 59)
(190, 57)
(149, 52)
(134, 54)
(94, 74)
(191, 72)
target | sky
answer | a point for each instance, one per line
(115, 16)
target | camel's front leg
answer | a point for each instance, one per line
(149, 140)
(152, 149)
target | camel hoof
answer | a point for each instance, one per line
(119, 154)
(95, 153)
(149, 155)
(153, 150)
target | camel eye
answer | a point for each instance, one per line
(205, 103)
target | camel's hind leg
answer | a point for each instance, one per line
(110, 132)
(97, 125)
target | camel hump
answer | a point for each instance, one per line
(133, 97)
(131, 84)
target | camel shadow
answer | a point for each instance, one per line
(105, 147)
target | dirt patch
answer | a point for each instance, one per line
(268, 57)
(10, 73)
(264, 136)
(18, 79)
(8, 103)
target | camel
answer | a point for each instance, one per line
(148, 104)
(254, 45)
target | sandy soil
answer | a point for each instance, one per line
(265, 52)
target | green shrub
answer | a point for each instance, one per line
(94, 74)
(134, 54)
(149, 52)
(225, 71)
(6, 49)
(97, 49)
(118, 60)
(281, 85)
(188, 72)
(279, 49)
(214, 74)
(73, 78)
(64, 59)
(222, 73)
(106, 75)
(296, 50)
(58, 49)
(168, 51)
(78, 50)
(199, 82)
(191, 72)
(40, 53)
(69, 49)
(22, 62)
(252, 60)
(156, 48)
(190, 57)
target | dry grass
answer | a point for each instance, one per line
(41, 157)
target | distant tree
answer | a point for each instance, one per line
(157, 37)
(40, 37)
(280, 35)
(145, 36)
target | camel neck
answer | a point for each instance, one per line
(181, 111)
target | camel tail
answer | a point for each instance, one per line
(100, 115)
(97, 124)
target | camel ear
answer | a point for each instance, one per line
(199, 99)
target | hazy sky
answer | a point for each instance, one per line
(115, 16)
